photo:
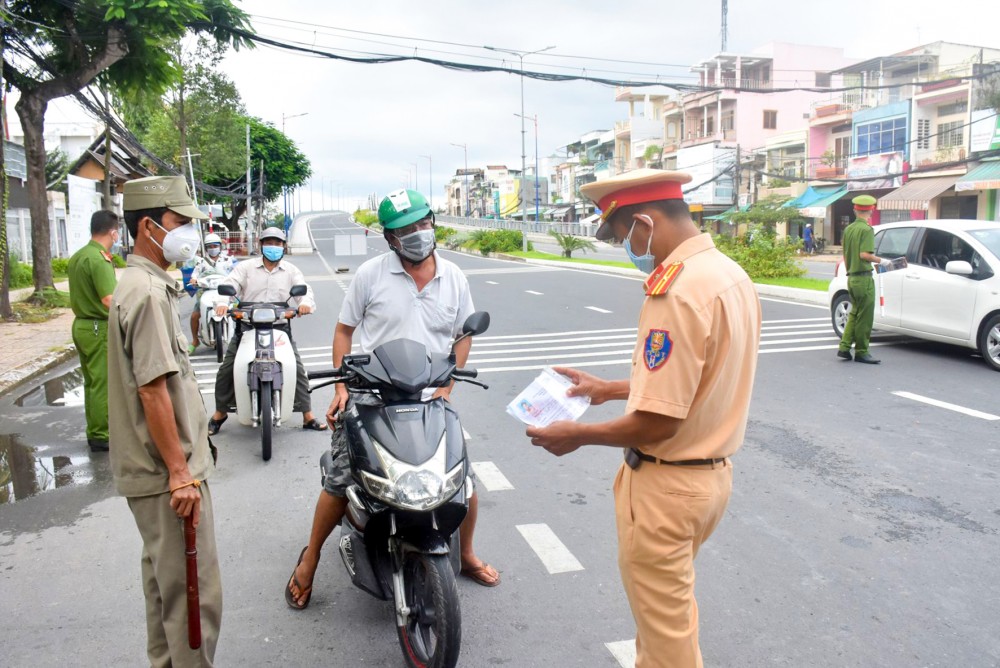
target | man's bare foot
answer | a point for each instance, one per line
(298, 591)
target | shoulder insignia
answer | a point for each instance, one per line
(657, 350)
(660, 280)
(106, 255)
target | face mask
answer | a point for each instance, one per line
(180, 244)
(417, 246)
(116, 246)
(644, 263)
(214, 252)
(273, 253)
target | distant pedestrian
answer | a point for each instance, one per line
(91, 283)
(160, 456)
(859, 254)
(807, 238)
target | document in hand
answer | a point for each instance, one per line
(545, 401)
(897, 263)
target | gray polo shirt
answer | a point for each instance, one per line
(145, 341)
(384, 304)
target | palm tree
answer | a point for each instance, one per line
(569, 243)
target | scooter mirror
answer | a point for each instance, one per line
(227, 290)
(298, 291)
(477, 323)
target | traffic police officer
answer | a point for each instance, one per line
(91, 282)
(687, 403)
(859, 254)
(161, 456)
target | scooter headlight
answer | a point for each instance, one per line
(264, 315)
(418, 488)
(414, 487)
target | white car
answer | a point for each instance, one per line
(950, 292)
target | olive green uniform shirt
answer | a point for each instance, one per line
(91, 278)
(858, 238)
(145, 341)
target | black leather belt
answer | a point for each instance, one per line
(860, 273)
(635, 457)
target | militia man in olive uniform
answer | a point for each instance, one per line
(688, 398)
(859, 254)
(91, 283)
(160, 455)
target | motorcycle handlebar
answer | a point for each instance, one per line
(465, 373)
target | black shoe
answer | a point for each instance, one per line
(866, 358)
(97, 446)
(215, 425)
(844, 354)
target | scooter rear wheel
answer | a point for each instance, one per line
(217, 330)
(432, 634)
(266, 415)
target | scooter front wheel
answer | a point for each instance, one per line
(266, 415)
(432, 634)
(217, 330)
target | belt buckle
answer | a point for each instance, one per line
(632, 458)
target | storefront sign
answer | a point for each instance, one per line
(985, 130)
(875, 171)
(84, 200)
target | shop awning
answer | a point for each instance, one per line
(984, 177)
(727, 214)
(917, 194)
(817, 208)
(810, 196)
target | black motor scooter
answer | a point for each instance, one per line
(410, 490)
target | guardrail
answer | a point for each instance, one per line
(576, 228)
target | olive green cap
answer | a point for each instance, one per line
(864, 200)
(157, 192)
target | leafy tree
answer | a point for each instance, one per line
(57, 48)
(569, 243)
(56, 168)
(767, 213)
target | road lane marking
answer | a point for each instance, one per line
(599, 310)
(553, 334)
(951, 407)
(492, 283)
(623, 651)
(491, 477)
(811, 339)
(533, 292)
(513, 270)
(826, 347)
(555, 556)
(771, 322)
(785, 301)
(564, 356)
(822, 330)
(534, 367)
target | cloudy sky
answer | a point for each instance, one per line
(367, 125)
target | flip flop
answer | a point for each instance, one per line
(485, 575)
(215, 425)
(289, 598)
(314, 425)
(191, 348)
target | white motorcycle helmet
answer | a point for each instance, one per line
(213, 239)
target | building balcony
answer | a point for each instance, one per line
(744, 84)
(623, 129)
(929, 158)
(821, 172)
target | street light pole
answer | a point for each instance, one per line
(524, 202)
(283, 119)
(430, 177)
(534, 119)
(465, 151)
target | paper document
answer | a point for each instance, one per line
(545, 401)
(897, 263)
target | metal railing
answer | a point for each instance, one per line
(576, 228)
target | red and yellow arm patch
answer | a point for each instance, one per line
(660, 280)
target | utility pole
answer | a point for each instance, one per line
(430, 177)
(725, 23)
(534, 119)
(285, 189)
(194, 193)
(465, 151)
(108, 203)
(248, 220)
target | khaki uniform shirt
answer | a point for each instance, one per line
(859, 237)
(145, 341)
(91, 278)
(696, 354)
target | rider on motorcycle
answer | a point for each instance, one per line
(267, 278)
(216, 261)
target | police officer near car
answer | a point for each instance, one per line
(687, 398)
(859, 254)
(92, 281)
(160, 456)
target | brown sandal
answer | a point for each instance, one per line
(485, 575)
(308, 591)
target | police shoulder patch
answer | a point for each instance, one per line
(660, 280)
(657, 349)
(106, 255)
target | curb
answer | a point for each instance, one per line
(16, 377)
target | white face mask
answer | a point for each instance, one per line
(180, 244)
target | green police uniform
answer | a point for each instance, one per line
(859, 238)
(91, 279)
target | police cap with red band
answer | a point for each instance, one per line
(864, 203)
(635, 187)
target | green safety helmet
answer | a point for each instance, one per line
(401, 208)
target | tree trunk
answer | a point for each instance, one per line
(109, 204)
(6, 312)
(31, 111)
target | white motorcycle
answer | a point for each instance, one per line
(214, 331)
(264, 367)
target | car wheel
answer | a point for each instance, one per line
(839, 311)
(989, 342)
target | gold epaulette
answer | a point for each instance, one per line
(660, 280)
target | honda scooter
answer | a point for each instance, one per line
(410, 492)
(214, 330)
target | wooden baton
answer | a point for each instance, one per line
(194, 608)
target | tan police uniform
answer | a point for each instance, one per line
(694, 360)
(145, 342)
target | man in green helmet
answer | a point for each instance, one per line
(410, 293)
(859, 254)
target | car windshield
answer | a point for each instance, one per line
(989, 238)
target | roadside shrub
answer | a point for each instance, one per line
(60, 266)
(497, 241)
(442, 234)
(761, 254)
(118, 261)
(20, 275)
(366, 218)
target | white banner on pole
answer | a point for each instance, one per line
(84, 200)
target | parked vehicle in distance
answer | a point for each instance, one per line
(950, 292)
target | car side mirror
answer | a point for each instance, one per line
(959, 268)
(477, 323)
(298, 291)
(227, 290)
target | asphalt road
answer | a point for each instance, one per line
(862, 529)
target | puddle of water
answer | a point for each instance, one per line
(66, 390)
(26, 471)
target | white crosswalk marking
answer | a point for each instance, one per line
(491, 477)
(623, 651)
(534, 292)
(555, 556)
(598, 309)
(492, 283)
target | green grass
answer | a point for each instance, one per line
(31, 311)
(820, 284)
(538, 255)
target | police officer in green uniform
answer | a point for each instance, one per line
(859, 254)
(91, 284)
